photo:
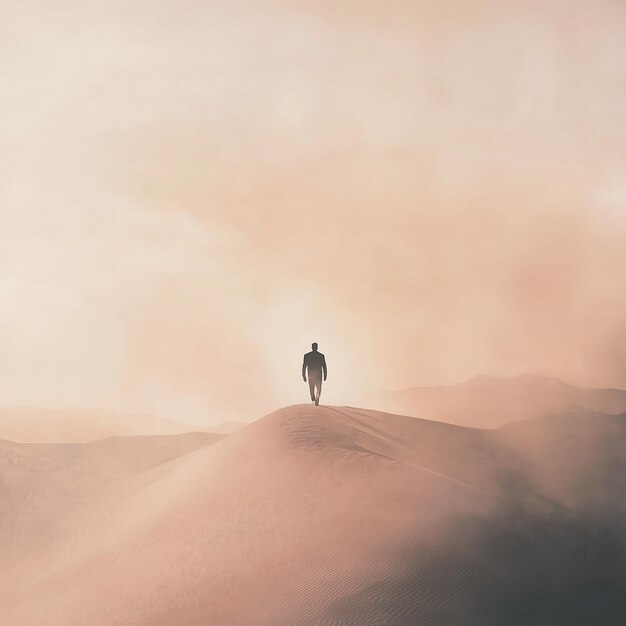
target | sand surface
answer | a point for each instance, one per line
(322, 515)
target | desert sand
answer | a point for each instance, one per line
(322, 515)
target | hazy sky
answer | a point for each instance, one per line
(192, 192)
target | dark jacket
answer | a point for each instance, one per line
(315, 363)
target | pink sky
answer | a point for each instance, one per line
(191, 194)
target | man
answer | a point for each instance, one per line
(315, 365)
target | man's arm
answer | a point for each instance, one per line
(304, 368)
(324, 366)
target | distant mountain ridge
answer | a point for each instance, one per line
(489, 401)
(32, 424)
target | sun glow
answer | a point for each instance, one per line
(291, 325)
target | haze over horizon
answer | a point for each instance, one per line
(193, 194)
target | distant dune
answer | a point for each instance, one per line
(49, 490)
(81, 425)
(489, 402)
(228, 428)
(324, 516)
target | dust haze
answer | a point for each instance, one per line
(192, 194)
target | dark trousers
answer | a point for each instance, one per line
(315, 381)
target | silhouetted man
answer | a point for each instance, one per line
(315, 364)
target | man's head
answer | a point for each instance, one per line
(314, 346)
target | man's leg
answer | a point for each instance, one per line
(312, 387)
(318, 383)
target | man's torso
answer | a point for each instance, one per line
(314, 363)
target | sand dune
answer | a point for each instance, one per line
(336, 515)
(489, 401)
(81, 425)
(49, 491)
